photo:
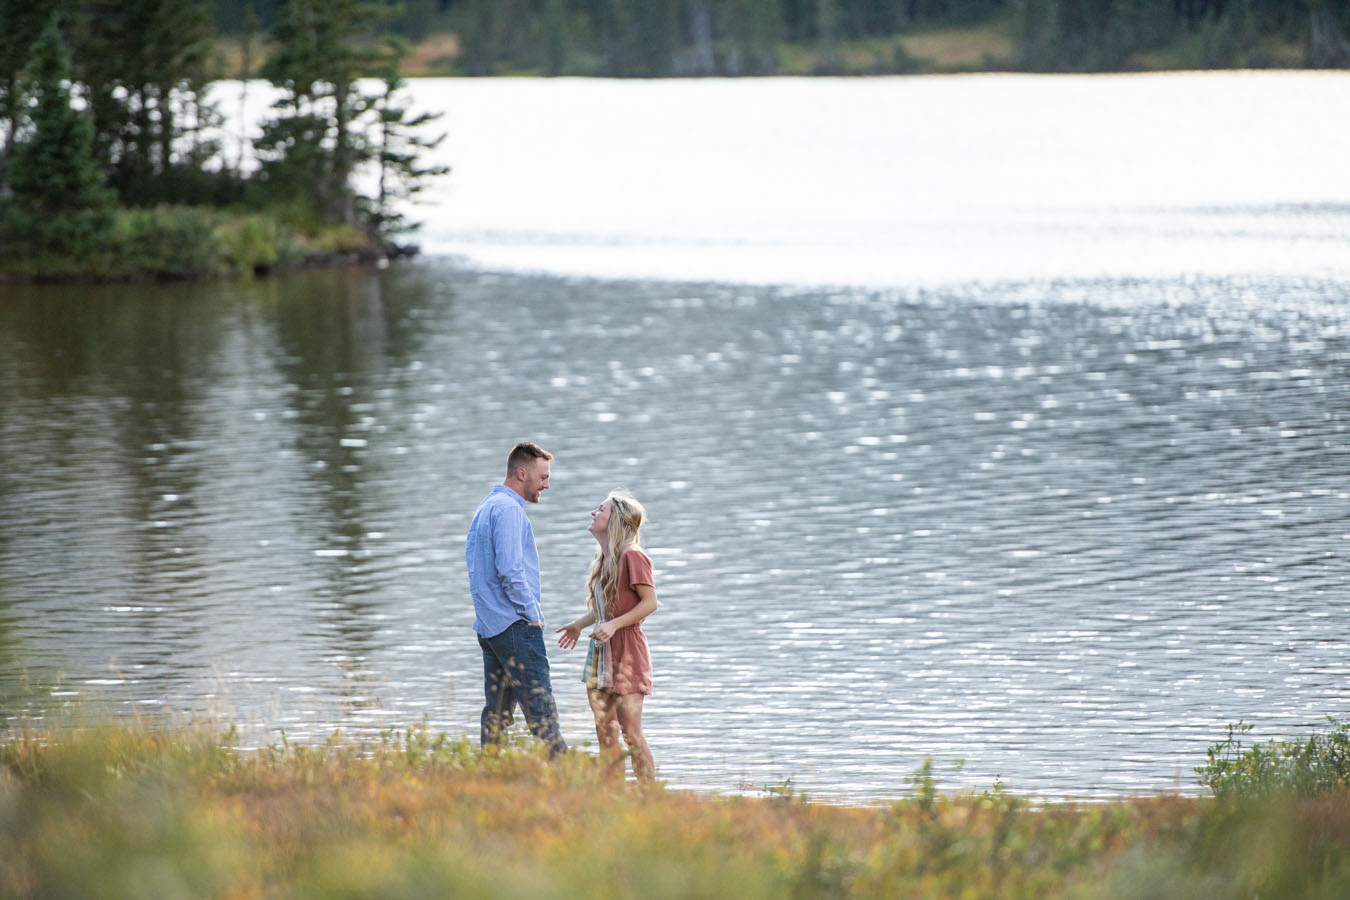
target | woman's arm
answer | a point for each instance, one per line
(571, 632)
(646, 605)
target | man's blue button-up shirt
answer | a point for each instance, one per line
(503, 563)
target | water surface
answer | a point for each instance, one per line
(1041, 475)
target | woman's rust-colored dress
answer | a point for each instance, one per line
(630, 665)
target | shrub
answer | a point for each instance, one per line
(165, 242)
(1317, 764)
(72, 238)
(255, 243)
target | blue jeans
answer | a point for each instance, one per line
(515, 670)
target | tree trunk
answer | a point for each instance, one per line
(166, 127)
(700, 59)
(1327, 46)
(827, 28)
(340, 194)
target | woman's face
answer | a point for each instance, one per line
(600, 520)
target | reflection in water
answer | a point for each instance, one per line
(1064, 532)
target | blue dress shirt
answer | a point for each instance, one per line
(503, 563)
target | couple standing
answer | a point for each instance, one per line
(504, 581)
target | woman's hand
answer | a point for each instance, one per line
(568, 635)
(603, 632)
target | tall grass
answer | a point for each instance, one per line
(170, 242)
(140, 811)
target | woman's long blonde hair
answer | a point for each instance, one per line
(626, 516)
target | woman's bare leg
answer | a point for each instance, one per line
(630, 723)
(604, 706)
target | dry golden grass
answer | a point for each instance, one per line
(962, 49)
(141, 812)
(434, 56)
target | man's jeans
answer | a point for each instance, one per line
(515, 670)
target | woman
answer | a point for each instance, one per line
(619, 595)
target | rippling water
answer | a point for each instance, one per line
(1061, 528)
(1062, 533)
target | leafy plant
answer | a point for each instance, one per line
(1317, 764)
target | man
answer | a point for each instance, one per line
(504, 581)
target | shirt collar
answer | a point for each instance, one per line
(503, 489)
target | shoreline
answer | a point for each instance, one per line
(277, 252)
(989, 45)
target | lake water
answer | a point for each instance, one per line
(992, 419)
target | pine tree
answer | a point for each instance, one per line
(314, 144)
(59, 198)
(1328, 46)
(21, 22)
(827, 37)
(400, 148)
(144, 64)
(554, 41)
(749, 31)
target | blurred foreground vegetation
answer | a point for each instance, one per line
(136, 811)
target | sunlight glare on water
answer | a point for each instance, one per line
(995, 419)
(896, 180)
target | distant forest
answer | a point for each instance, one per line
(658, 38)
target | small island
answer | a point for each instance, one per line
(111, 158)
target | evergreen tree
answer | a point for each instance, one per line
(1076, 35)
(1229, 37)
(698, 58)
(144, 63)
(827, 37)
(555, 40)
(751, 31)
(313, 145)
(400, 149)
(58, 196)
(415, 19)
(477, 27)
(21, 22)
(1328, 25)
(251, 27)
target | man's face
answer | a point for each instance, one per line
(535, 480)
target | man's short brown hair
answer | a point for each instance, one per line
(523, 454)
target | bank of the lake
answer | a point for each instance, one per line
(995, 42)
(188, 242)
(137, 812)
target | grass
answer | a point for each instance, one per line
(175, 242)
(139, 811)
(435, 55)
(974, 48)
(1189, 52)
(940, 50)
